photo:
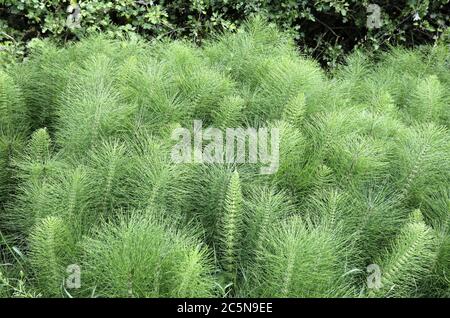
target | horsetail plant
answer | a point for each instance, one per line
(357, 204)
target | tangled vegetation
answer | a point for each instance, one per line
(327, 29)
(86, 176)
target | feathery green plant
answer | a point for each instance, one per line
(148, 85)
(231, 229)
(139, 256)
(408, 261)
(229, 112)
(264, 207)
(13, 114)
(86, 175)
(154, 181)
(90, 108)
(428, 101)
(207, 188)
(110, 167)
(51, 246)
(14, 125)
(35, 168)
(300, 262)
(421, 159)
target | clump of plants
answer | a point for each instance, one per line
(358, 207)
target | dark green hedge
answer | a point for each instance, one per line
(325, 28)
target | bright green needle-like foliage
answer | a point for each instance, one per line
(155, 181)
(300, 262)
(10, 145)
(91, 108)
(295, 110)
(51, 246)
(264, 208)
(110, 168)
(13, 114)
(88, 176)
(231, 228)
(229, 113)
(34, 168)
(428, 102)
(142, 257)
(409, 259)
(421, 160)
(14, 125)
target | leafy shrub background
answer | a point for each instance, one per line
(86, 176)
(325, 28)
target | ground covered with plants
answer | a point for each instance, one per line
(87, 180)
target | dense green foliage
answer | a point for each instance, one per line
(86, 175)
(325, 28)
